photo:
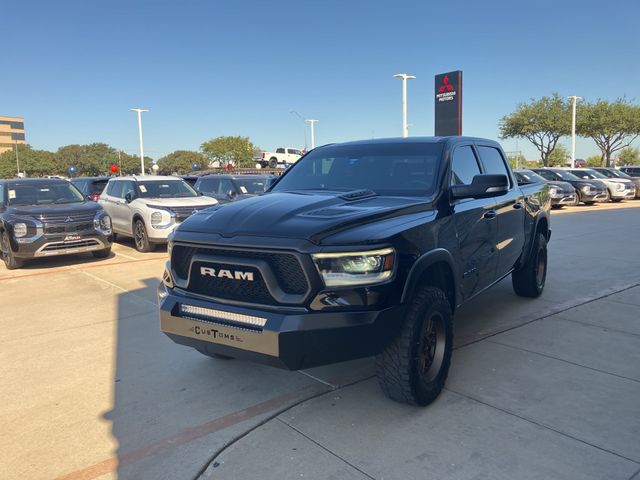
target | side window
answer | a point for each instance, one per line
(115, 189)
(493, 161)
(2, 201)
(128, 187)
(280, 150)
(464, 166)
(225, 186)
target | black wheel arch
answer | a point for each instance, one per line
(435, 268)
(541, 225)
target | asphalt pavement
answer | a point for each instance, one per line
(544, 388)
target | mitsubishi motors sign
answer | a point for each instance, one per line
(448, 103)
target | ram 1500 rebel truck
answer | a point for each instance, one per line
(359, 249)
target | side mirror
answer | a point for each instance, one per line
(129, 197)
(482, 186)
(231, 194)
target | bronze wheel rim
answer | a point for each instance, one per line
(431, 347)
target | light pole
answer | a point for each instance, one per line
(17, 159)
(304, 126)
(311, 122)
(573, 130)
(404, 77)
(140, 110)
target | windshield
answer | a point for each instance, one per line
(387, 169)
(612, 173)
(527, 176)
(166, 189)
(587, 174)
(42, 193)
(252, 185)
(558, 175)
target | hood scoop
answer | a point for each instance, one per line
(331, 212)
(358, 195)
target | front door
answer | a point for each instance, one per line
(476, 226)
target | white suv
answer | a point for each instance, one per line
(149, 208)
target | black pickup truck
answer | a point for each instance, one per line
(359, 249)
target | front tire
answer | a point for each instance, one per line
(104, 253)
(273, 162)
(10, 261)
(414, 366)
(530, 278)
(140, 237)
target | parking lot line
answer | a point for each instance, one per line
(276, 405)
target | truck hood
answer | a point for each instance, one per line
(51, 209)
(178, 201)
(310, 216)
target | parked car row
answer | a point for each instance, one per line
(46, 217)
(571, 186)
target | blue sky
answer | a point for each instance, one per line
(208, 68)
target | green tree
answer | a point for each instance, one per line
(89, 160)
(130, 164)
(542, 122)
(517, 160)
(611, 125)
(180, 162)
(238, 151)
(629, 156)
(34, 163)
(593, 161)
(558, 157)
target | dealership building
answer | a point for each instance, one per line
(11, 132)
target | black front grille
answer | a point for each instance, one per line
(254, 290)
(67, 218)
(285, 266)
(68, 228)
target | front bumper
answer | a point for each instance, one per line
(627, 193)
(565, 199)
(290, 338)
(55, 245)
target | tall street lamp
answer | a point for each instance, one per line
(140, 110)
(404, 77)
(311, 122)
(17, 159)
(574, 99)
(304, 126)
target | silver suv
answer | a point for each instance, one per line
(149, 208)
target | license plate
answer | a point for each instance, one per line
(72, 238)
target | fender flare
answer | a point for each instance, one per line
(426, 260)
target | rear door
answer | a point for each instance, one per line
(510, 210)
(476, 225)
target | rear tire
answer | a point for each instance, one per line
(414, 366)
(104, 253)
(529, 280)
(10, 261)
(273, 162)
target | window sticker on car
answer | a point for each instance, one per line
(143, 189)
(45, 190)
(12, 194)
(243, 189)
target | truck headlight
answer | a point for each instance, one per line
(341, 269)
(553, 192)
(620, 187)
(19, 229)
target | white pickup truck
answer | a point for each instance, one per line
(282, 156)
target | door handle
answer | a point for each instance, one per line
(517, 205)
(490, 214)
